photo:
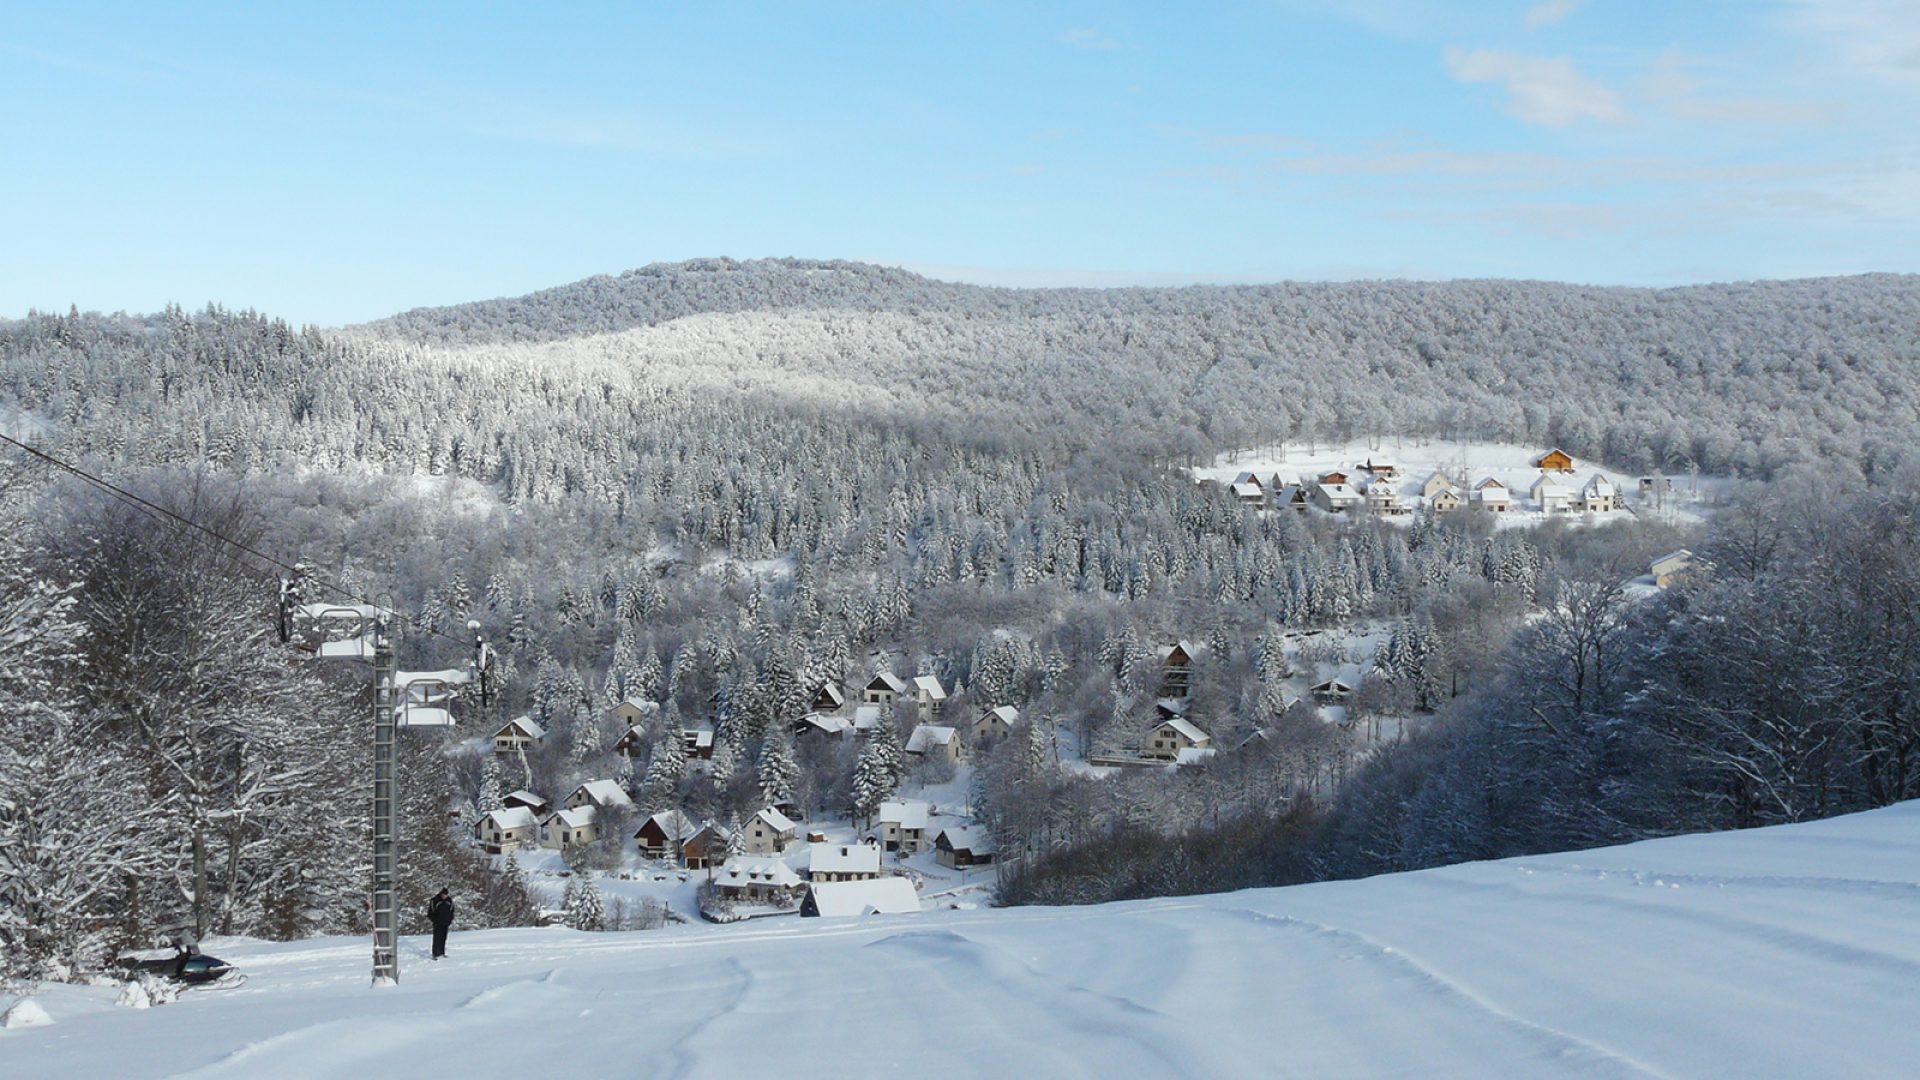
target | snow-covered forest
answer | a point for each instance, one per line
(716, 486)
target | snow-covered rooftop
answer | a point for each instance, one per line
(907, 814)
(887, 680)
(878, 896)
(775, 819)
(928, 736)
(1185, 727)
(512, 817)
(603, 793)
(930, 686)
(843, 858)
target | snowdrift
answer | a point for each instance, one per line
(1792, 951)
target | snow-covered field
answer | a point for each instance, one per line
(1792, 951)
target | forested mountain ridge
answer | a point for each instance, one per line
(1738, 377)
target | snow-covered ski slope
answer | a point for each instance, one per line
(1790, 952)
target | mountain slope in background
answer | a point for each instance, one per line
(1790, 951)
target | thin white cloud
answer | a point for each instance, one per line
(1087, 38)
(1671, 87)
(1878, 37)
(1545, 90)
(1549, 12)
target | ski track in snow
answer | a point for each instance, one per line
(1786, 952)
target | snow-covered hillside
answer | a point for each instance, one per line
(1791, 951)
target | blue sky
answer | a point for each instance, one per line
(332, 163)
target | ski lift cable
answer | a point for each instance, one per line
(167, 517)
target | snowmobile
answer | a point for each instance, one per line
(184, 964)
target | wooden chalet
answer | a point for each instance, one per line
(662, 835)
(517, 735)
(960, 846)
(1555, 460)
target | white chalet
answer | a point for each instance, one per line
(1171, 736)
(1600, 495)
(828, 699)
(930, 694)
(1445, 501)
(565, 828)
(769, 832)
(902, 825)
(1436, 484)
(507, 829)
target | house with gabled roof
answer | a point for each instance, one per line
(1335, 498)
(539, 806)
(1176, 668)
(768, 832)
(632, 742)
(1382, 470)
(601, 793)
(930, 741)
(565, 828)
(1171, 736)
(828, 699)
(706, 847)
(662, 834)
(850, 899)
(929, 695)
(960, 846)
(1555, 460)
(1600, 495)
(843, 862)
(1436, 484)
(995, 722)
(503, 831)
(517, 735)
(1492, 495)
(821, 724)
(866, 718)
(901, 825)
(633, 711)
(1292, 497)
(884, 689)
(1445, 501)
(1551, 495)
(757, 879)
(1332, 692)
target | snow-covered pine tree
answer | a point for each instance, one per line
(583, 908)
(778, 771)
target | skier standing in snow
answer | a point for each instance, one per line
(440, 914)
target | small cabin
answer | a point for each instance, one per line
(961, 846)
(540, 807)
(698, 743)
(1335, 498)
(1445, 501)
(632, 743)
(1436, 484)
(1492, 495)
(1382, 470)
(633, 711)
(1600, 495)
(1332, 692)
(828, 699)
(1555, 460)
(995, 722)
(1552, 496)
(705, 848)
(516, 735)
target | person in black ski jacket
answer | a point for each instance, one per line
(440, 914)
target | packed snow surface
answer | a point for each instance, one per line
(1792, 951)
